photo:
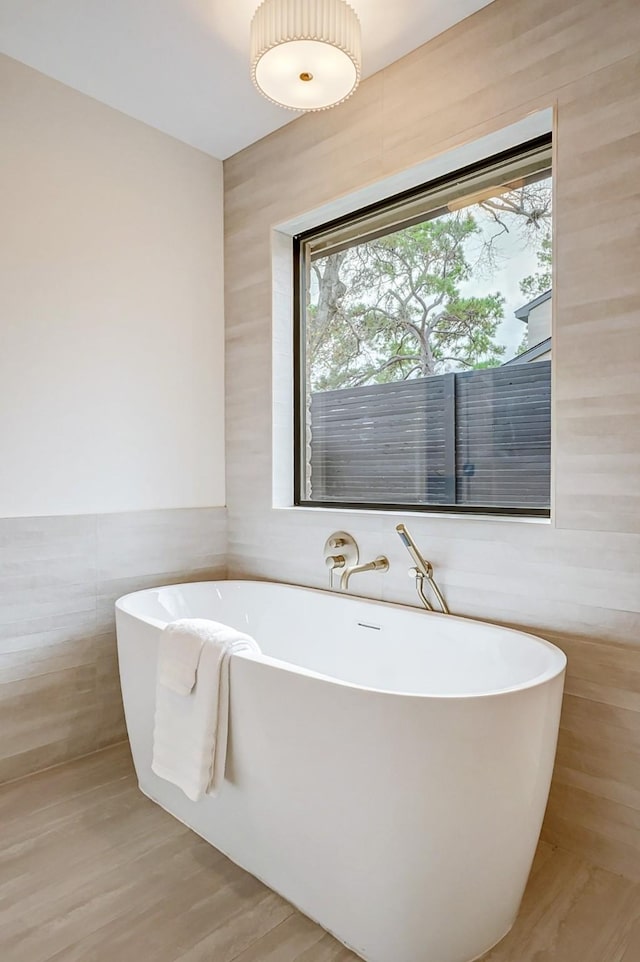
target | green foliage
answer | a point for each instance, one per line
(541, 281)
(393, 307)
(397, 310)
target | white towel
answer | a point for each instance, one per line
(190, 730)
(180, 647)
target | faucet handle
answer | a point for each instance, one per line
(340, 551)
(335, 561)
(332, 562)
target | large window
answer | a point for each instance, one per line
(423, 346)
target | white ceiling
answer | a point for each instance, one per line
(182, 65)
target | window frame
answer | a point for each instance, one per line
(299, 344)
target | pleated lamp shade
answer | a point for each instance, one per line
(305, 54)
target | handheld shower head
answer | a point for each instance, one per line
(404, 537)
(423, 566)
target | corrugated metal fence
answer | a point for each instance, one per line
(474, 438)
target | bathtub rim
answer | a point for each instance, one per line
(550, 674)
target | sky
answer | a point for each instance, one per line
(515, 260)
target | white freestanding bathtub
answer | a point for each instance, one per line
(388, 768)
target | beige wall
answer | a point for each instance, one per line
(111, 400)
(539, 323)
(576, 580)
(111, 305)
(59, 579)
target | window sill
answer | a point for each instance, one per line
(432, 515)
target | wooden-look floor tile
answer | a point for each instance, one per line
(572, 912)
(327, 950)
(285, 943)
(632, 951)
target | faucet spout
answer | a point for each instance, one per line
(380, 564)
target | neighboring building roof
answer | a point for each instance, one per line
(532, 353)
(523, 312)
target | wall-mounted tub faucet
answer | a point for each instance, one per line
(341, 553)
(423, 570)
(380, 564)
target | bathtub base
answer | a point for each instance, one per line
(336, 936)
(381, 934)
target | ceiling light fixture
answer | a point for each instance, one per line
(305, 54)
